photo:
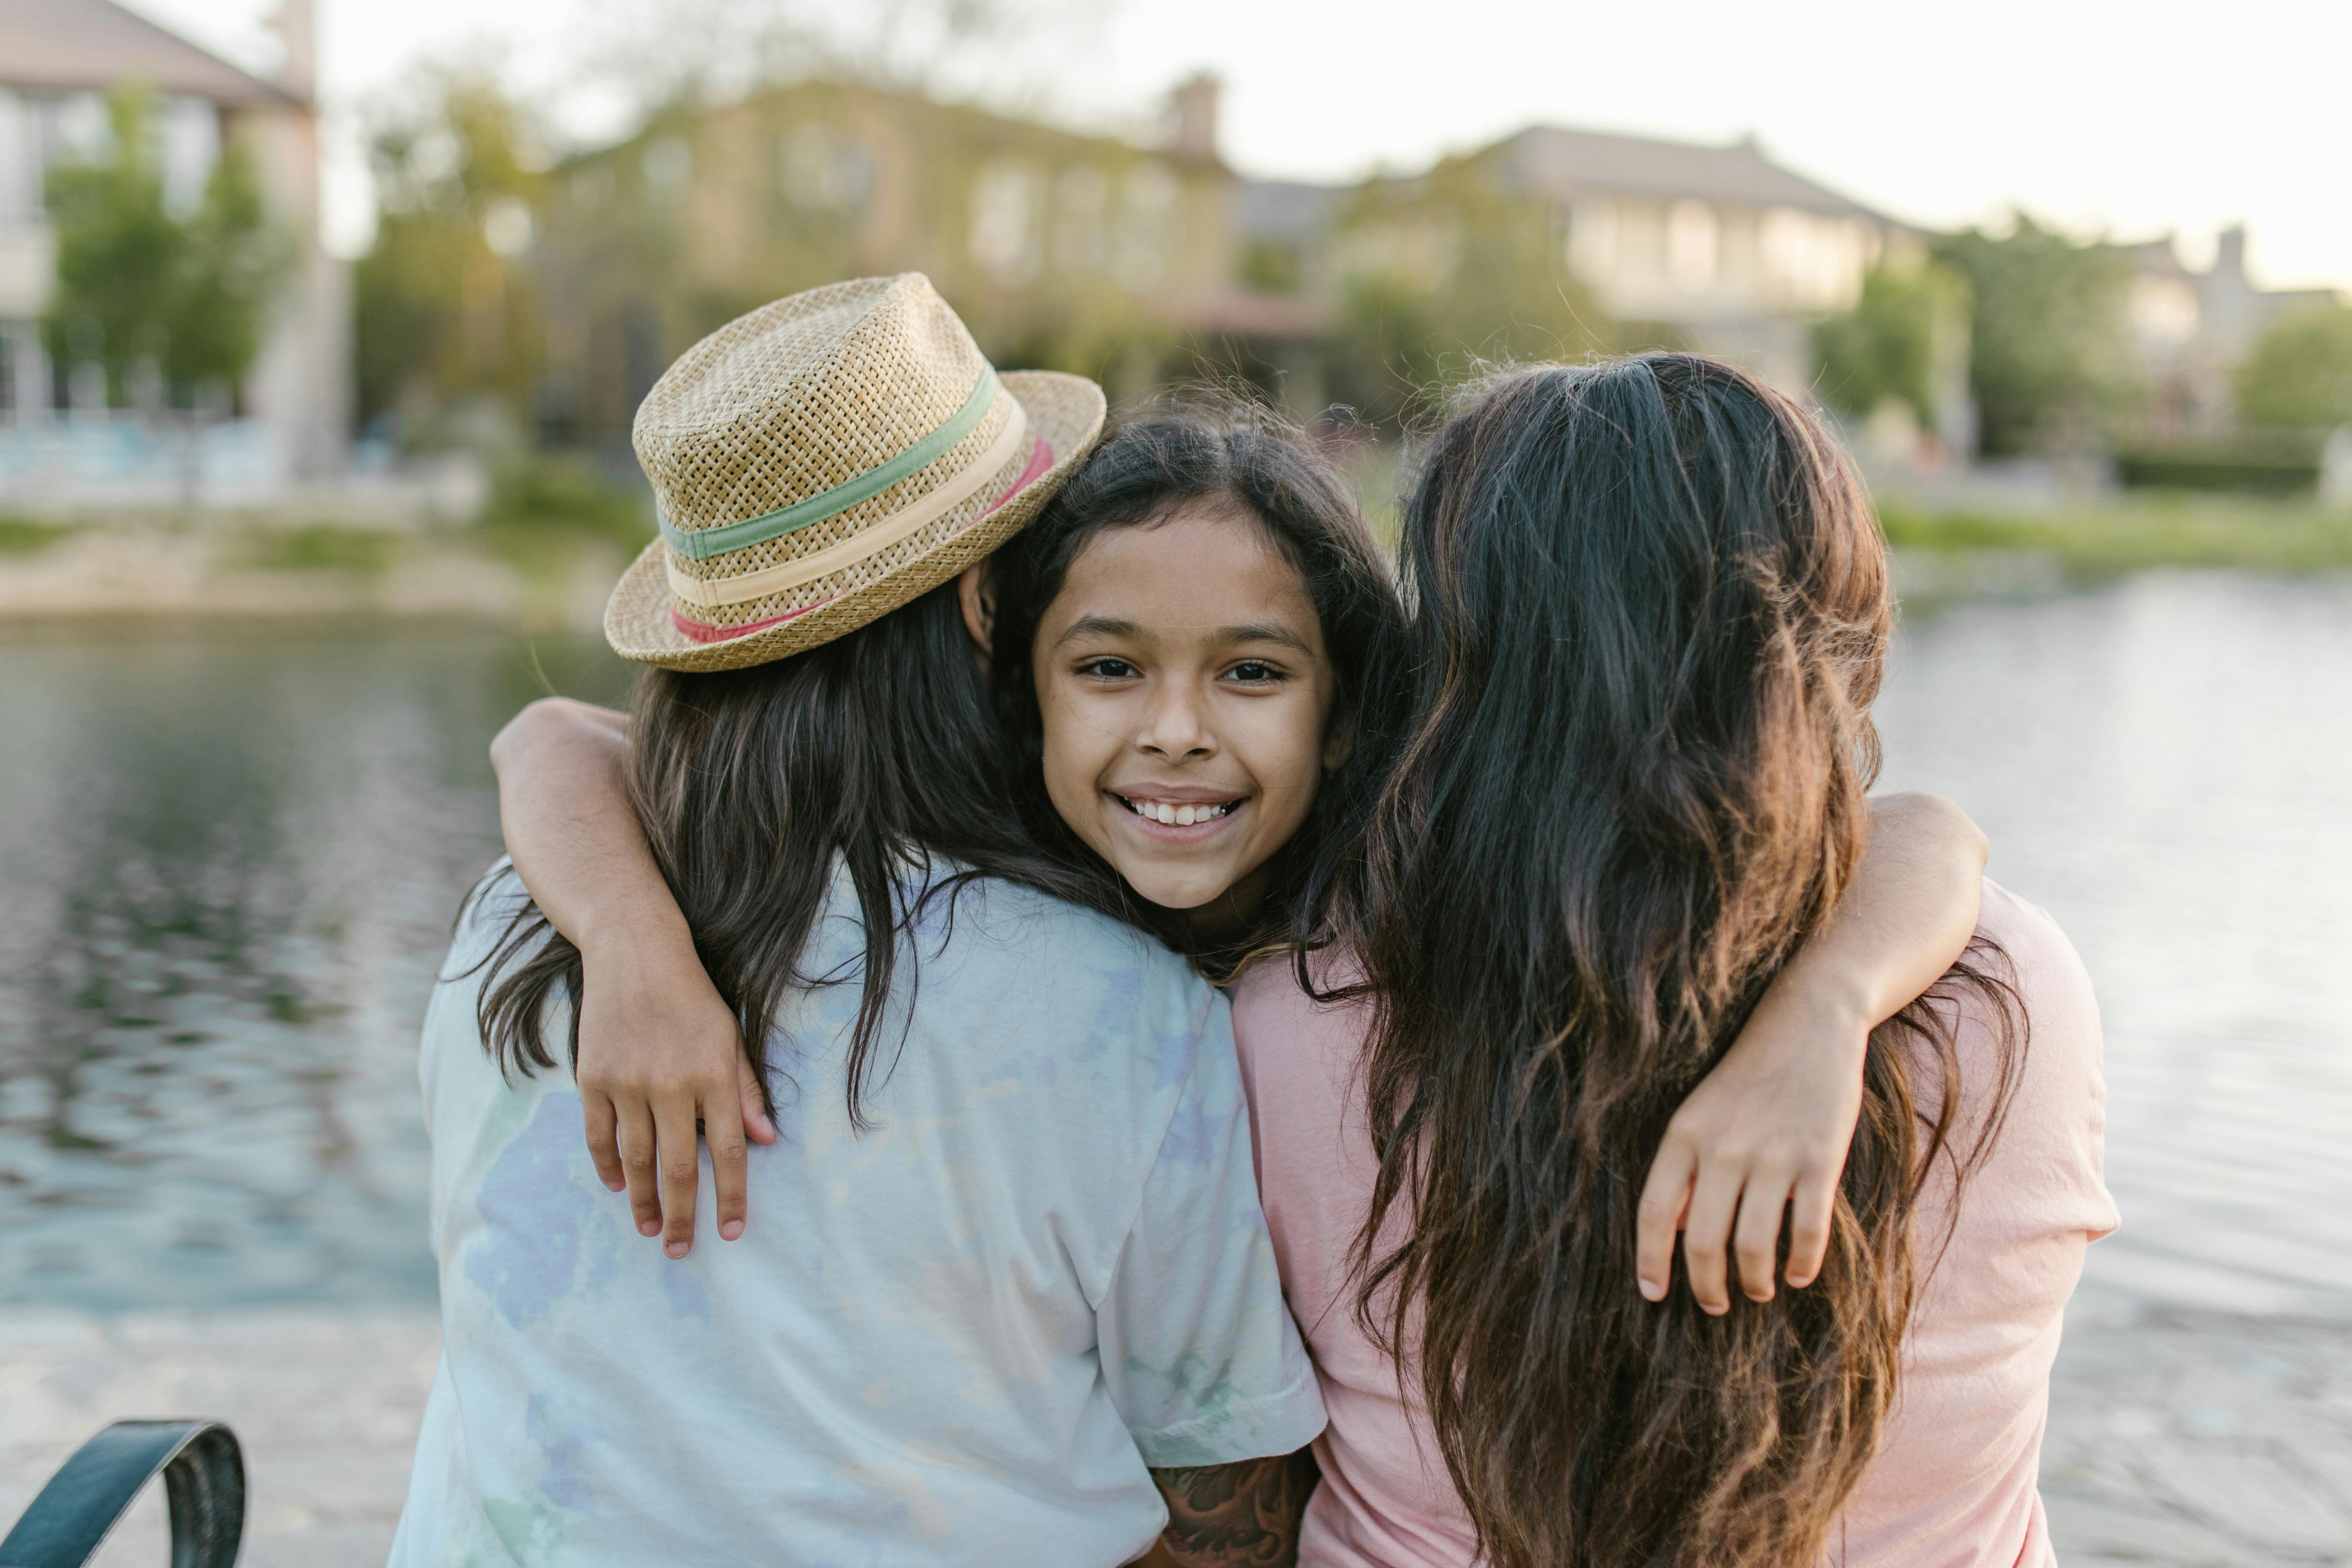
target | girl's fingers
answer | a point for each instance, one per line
(723, 1131)
(756, 1124)
(681, 1170)
(1811, 1214)
(1665, 1196)
(1715, 1201)
(634, 1124)
(603, 1148)
(1756, 1240)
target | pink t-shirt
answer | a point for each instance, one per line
(1956, 1481)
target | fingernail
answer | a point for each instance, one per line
(648, 1227)
(616, 1186)
(732, 1229)
(677, 1249)
(1651, 1290)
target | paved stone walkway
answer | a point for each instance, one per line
(2180, 1440)
(325, 1402)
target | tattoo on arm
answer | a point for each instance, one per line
(1228, 1516)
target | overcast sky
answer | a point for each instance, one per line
(2128, 119)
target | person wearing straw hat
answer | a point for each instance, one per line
(1028, 1292)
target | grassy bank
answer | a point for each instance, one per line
(543, 554)
(2134, 531)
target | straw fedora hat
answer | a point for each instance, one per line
(824, 460)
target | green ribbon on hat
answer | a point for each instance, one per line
(702, 543)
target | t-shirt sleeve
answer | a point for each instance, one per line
(1201, 1356)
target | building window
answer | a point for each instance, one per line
(1816, 262)
(190, 146)
(1592, 240)
(2163, 310)
(824, 170)
(1005, 200)
(20, 170)
(1080, 198)
(668, 163)
(1147, 226)
(1691, 245)
(1641, 241)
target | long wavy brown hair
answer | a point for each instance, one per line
(1652, 612)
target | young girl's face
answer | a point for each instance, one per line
(1185, 692)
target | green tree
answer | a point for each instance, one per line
(2050, 358)
(443, 298)
(1894, 341)
(2299, 375)
(1444, 275)
(136, 285)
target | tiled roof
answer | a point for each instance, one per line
(1564, 164)
(67, 45)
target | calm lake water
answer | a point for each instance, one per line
(228, 865)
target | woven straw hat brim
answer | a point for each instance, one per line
(1065, 410)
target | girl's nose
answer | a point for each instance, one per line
(1174, 725)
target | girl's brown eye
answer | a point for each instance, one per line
(1254, 672)
(1108, 669)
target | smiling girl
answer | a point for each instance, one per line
(1185, 628)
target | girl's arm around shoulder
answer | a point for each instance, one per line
(1768, 1127)
(658, 1047)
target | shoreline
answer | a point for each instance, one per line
(553, 573)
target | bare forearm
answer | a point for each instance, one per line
(563, 805)
(1223, 1516)
(1905, 918)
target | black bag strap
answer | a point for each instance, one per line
(203, 1478)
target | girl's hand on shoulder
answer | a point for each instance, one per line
(1765, 1131)
(660, 1060)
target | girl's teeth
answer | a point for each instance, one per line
(1178, 816)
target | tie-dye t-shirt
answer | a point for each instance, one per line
(958, 1337)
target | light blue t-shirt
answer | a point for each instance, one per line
(957, 1338)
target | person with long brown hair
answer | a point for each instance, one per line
(1652, 611)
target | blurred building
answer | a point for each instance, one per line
(1059, 249)
(58, 59)
(1137, 262)
(2193, 329)
(1710, 247)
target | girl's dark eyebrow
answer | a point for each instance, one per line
(1281, 637)
(1105, 626)
(1097, 626)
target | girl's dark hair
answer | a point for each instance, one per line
(1218, 449)
(1652, 613)
(873, 752)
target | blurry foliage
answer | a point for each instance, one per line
(2138, 532)
(2051, 356)
(1890, 346)
(2299, 375)
(136, 285)
(324, 547)
(440, 313)
(21, 536)
(546, 495)
(1443, 277)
